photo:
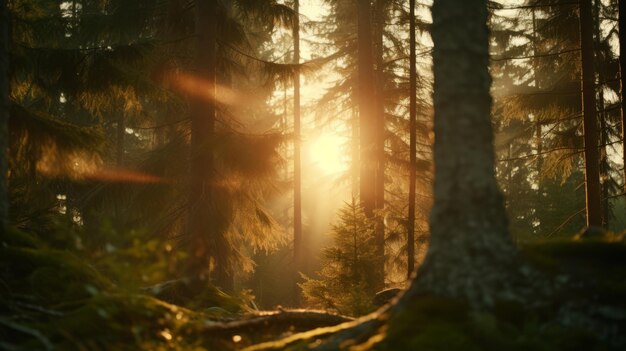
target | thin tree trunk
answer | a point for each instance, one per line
(471, 254)
(379, 139)
(4, 111)
(622, 69)
(207, 241)
(297, 170)
(604, 135)
(590, 122)
(356, 165)
(538, 125)
(366, 99)
(412, 141)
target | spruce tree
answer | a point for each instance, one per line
(345, 282)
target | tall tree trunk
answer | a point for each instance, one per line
(538, 125)
(622, 70)
(604, 133)
(297, 170)
(471, 254)
(412, 139)
(590, 121)
(356, 164)
(4, 111)
(208, 243)
(366, 103)
(379, 138)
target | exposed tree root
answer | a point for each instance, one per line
(336, 337)
(261, 327)
(295, 319)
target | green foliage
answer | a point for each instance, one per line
(346, 283)
(57, 299)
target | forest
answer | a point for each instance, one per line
(313, 175)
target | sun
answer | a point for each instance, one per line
(327, 152)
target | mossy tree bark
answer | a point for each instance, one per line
(471, 254)
(4, 110)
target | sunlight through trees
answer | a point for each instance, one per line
(308, 174)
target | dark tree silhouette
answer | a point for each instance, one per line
(590, 123)
(205, 237)
(4, 109)
(622, 66)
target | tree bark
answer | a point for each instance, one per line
(538, 124)
(208, 244)
(622, 70)
(297, 170)
(412, 141)
(4, 111)
(604, 133)
(471, 254)
(590, 122)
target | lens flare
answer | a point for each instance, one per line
(202, 88)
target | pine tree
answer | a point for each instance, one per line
(346, 283)
(538, 97)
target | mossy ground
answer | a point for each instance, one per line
(53, 299)
(594, 269)
(437, 324)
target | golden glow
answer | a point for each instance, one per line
(201, 88)
(80, 165)
(327, 152)
(166, 334)
(121, 175)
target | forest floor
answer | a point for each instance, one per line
(52, 300)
